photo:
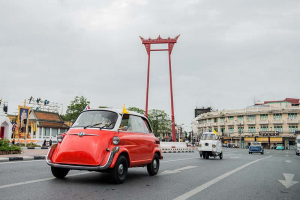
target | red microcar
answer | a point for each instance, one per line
(106, 140)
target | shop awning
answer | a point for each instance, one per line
(263, 139)
(249, 139)
(276, 139)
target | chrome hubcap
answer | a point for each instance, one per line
(154, 163)
(121, 169)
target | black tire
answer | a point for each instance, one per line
(262, 153)
(153, 167)
(203, 155)
(207, 155)
(59, 172)
(221, 155)
(249, 152)
(119, 172)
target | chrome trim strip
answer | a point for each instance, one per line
(91, 168)
(85, 134)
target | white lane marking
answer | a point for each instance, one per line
(35, 181)
(234, 157)
(288, 182)
(215, 180)
(287, 155)
(179, 159)
(176, 170)
(22, 162)
(288, 161)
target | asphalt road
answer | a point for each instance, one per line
(182, 176)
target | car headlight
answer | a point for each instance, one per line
(200, 145)
(213, 146)
(116, 140)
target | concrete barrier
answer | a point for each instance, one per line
(175, 147)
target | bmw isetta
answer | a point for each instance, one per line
(106, 140)
(210, 146)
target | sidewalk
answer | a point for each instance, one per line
(28, 154)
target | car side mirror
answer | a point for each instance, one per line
(124, 128)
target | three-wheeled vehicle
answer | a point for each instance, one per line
(210, 146)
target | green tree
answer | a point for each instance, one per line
(75, 108)
(160, 122)
(138, 110)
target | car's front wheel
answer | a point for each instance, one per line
(153, 167)
(221, 155)
(59, 172)
(119, 172)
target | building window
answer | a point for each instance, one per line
(264, 128)
(240, 118)
(230, 119)
(278, 129)
(222, 130)
(230, 129)
(216, 129)
(63, 130)
(209, 130)
(264, 117)
(54, 132)
(208, 120)
(222, 119)
(292, 129)
(292, 115)
(241, 129)
(277, 116)
(251, 129)
(46, 132)
(251, 118)
(215, 119)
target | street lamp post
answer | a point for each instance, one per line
(240, 131)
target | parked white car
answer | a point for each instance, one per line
(210, 146)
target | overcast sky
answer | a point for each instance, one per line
(228, 53)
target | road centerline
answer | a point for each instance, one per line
(215, 180)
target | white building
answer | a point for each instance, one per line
(5, 125)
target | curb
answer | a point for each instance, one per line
(7, 159)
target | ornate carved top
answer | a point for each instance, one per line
(159, 40)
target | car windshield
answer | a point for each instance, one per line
(208, 137)
(101, 119)
(255, 144)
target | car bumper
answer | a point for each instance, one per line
(214, 153)
(297, 150)
(83, 167)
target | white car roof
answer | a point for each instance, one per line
(116, 110)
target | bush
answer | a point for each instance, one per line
(15, 148)
(4, 143)
(31, 144)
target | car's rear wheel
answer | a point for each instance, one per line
(59, 172)
(262, 152)
(119, 172)
(153, 167)
(207, 155)
(221, 155)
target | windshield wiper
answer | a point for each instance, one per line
(107, 125)
(92, 125)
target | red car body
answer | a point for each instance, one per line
(99, 148)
